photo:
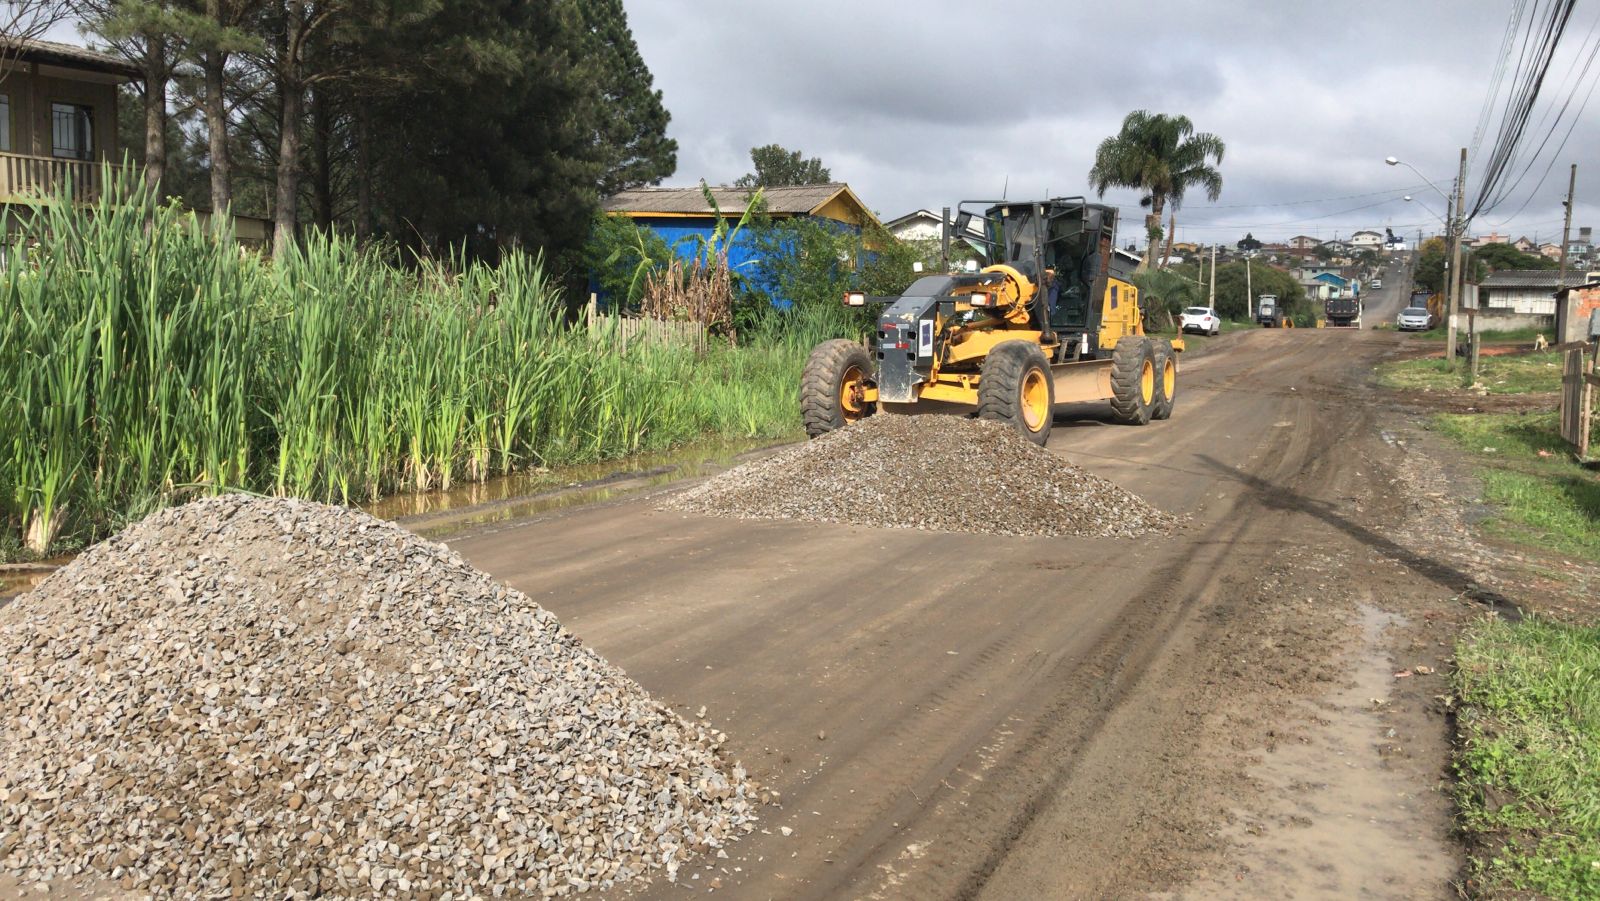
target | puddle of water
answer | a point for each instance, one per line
(18, 578)
(437, 514)
(1341, 822)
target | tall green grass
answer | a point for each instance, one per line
(1529, 751)
(144, 359)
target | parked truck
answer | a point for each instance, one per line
(1343, 312)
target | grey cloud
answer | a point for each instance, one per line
(924, 104)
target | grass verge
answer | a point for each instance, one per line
(1529, 752)
(1511, 374)
(1545, 499)
(1490, 336)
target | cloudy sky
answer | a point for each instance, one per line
(922, 105)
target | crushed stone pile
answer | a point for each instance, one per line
(275, 698)
(939, 473)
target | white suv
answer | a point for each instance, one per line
(1202, 320)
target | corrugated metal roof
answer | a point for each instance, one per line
(70, 55)
(1581, 287)
(1531, 278)
(797, 200)
(974, 227)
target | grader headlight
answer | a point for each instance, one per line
(855, 299)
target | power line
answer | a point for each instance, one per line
(1495, 80)
(1588, 63)
(1533, 67)
(1251, 206)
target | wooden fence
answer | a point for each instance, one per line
(1579, 378)
(634, 331)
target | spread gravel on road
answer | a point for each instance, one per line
(939, 473)
(276, 698)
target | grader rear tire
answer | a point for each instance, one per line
(1166, 380)
(1133, 380)
(1016, 389)
(831, 384)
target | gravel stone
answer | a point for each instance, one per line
(934, 472)
(273, 698)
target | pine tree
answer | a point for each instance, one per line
(631, 121)
(776, 167)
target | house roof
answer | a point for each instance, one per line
(1372, 233)
(1330, 278)
(932, 217)
(67, 55)
(1584, 286)
(1305, 238)
(929, 215)
(797, 200)
(1531, 278)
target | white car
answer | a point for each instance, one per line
(1377, 283)
(1414, 319)
(1201, 320)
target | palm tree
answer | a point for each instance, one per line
(1162, 156)
(1163, 293)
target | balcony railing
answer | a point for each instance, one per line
(24, 177)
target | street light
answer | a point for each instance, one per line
(1410, 199)
(1396, 161)
(1455, 225)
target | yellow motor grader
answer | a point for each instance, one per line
(1051, 319)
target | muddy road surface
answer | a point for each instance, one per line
(951, 715)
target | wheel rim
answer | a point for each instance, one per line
(1169, 379)
(1147, 381)
(852, 394)
(1035, 400)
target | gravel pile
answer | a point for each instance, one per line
(940, 473)
(274, 698)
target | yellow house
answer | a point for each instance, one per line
(58, 117)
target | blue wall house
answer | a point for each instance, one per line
(1338, 287)
(679, 214)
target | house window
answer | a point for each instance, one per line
(5, 123)
(72, 131)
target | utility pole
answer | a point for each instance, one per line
(1249, 291)
(1213, 302)
(1566, 235)
(1456, 281)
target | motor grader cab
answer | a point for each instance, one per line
(1051, 317)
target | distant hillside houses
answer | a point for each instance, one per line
(1367, 240)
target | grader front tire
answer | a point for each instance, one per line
(1016, 389)
(831, 386)
(1133, 380)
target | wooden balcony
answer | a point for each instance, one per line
(24, 177)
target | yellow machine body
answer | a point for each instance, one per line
(1053, 319)
(956, 374)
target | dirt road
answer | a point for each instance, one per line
(964, 716)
